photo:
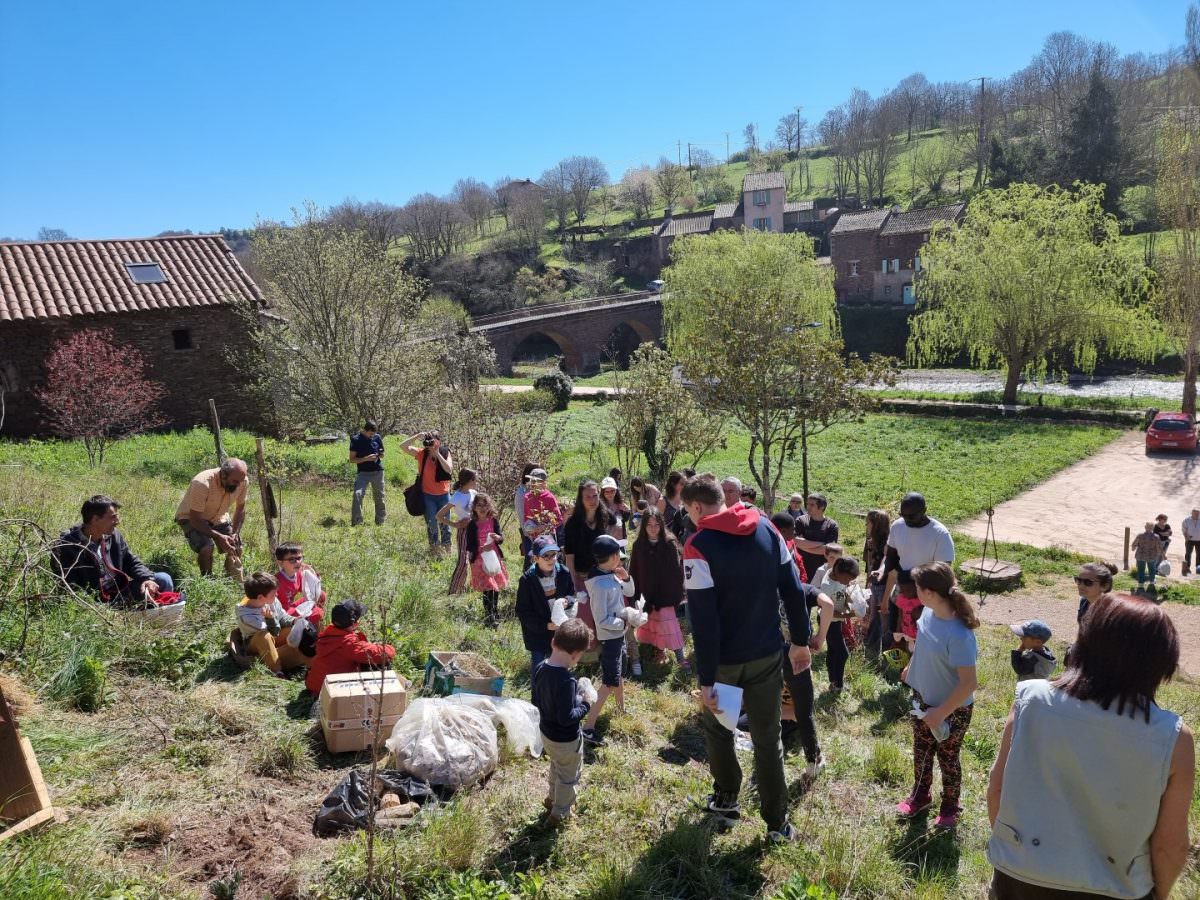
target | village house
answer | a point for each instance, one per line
(876, 253)
(176, 299)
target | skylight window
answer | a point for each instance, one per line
(145, 273)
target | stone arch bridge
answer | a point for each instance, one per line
(585, 331)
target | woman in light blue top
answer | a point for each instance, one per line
(1090, 791)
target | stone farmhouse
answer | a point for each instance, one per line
(876, 253)
(764, 206)
(173, 298)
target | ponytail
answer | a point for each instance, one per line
(963, 608)
(465, 477)
(939, 578)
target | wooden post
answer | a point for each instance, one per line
(216, 429)
(1126, 548)
(264, 494)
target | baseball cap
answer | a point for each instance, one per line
(544, 545)
(536, 475)
(608, 482)
(1034, 628)
(347, 613)
(604, 547)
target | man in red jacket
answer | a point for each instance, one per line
(341, 647)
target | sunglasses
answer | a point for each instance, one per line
(1086, 582)
(553, 554)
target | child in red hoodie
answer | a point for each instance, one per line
(343, 648)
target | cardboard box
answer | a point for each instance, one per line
(484, 678)
(351, 704)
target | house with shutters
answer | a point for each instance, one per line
(876, 253)
(176, 299)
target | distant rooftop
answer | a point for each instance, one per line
(763, 181)
(725, 210)
(919, 220)
(799, 206)
(698, 224)
(867, 220)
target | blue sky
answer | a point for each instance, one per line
(125, 119)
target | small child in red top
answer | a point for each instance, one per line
(910, 609)
(341, 648)
(290, 579)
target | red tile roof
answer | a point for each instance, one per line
(52, 279)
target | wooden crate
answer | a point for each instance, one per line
(24, 800)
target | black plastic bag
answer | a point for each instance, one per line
(345, 809)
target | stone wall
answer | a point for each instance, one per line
(190, 376)
(854, 245)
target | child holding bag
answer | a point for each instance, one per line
(483, 539)
(656, 566)
(942, 676)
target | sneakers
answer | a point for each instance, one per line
(787, 835)
(814, 768)
(946, 819)
(723, 805)
(590, 737)
(637, 670)
(913, 806)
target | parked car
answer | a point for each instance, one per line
(656, 286)
(1171, 431)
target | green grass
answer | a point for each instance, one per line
(185, 747)
(1033, 397)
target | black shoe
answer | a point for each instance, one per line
(723, 805)
(590, 737)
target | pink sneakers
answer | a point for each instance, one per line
(913, 806)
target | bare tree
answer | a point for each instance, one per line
(932, 162)
(501, 191)
(637, 191)
(832, 133)
(477, 201)
(879, 147)
(583, 175)
(750, 136)
(527, 214)
(557, 187)
(703, 159)
(435, 227)
(790, 131)
(910, 95)
(52, 234)
(379, 222)
(671, 181)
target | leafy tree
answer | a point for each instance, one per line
(1178, 196)
(1012, 163)
(342, 347)
(657, 418)
(1092, 143)
(752, 321)
(98, 392)
(1031, 276)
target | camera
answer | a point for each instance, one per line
(428, 442)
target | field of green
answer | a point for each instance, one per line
(190, 772)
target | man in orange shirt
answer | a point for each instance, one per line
(435, 466)
(203, 514)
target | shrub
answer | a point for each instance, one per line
(80, 683)
(282, 755)
(559, 385)
(536, 401)
(798, 887)
(886, 763)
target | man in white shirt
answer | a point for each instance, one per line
(915, 539)
(1191, 541)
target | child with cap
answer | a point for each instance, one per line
(562, 702)
(1031, 659)
(342, 647)
(541, 584)
(266, 630)
(608, 585)
(542, 514)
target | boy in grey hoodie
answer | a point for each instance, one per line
(608, 585)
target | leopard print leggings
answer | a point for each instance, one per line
(926, 747)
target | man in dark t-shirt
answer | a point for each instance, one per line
(366, 451)
(813, 531)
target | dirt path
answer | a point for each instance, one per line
(1087, 506)
(1056, 605)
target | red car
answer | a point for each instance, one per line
(1171, 431)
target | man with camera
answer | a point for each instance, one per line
(366, 451)
(434, 465)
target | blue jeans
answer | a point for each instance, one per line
(1146, 571)
(536, 658)
(433, 503)
(164, 581)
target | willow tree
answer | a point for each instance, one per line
(1032, 277)
(1177, 192)
(751, 318)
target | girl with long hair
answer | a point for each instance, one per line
(588, 520)
(483, 534)
(457, 515)
(942, 676)
(657, 569)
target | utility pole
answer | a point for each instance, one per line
(727, 148)
(689, 154)
(797, 129)
(679, 153)
(979, 148)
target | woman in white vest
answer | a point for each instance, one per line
(1090, 792)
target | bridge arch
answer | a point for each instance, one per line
(625, 337)
(525, 348)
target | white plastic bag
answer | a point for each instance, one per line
(1164, 568)
(491, 562)
(558, 611)
(587, 690)
(860, 600)
(445, 743)
(521, 720)
(634, 617)
(311, 584)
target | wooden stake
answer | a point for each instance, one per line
(215, 422)
(264, 494)
(1126, 548)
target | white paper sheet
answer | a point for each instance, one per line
(729, 702)
(304, 610)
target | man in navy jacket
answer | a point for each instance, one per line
(737, 568)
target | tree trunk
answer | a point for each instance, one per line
(1189, 375)
(804, 455)
(1011, 382)
(767, 485)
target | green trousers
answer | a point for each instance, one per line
(761, 682)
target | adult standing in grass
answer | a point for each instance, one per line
(366, 451)
(434, 467)
(879, 526)
(1059, 831)
(203, 515)
(914, 540)
(736, 570)
(813, 531)
(93, 555)
(1191, 541)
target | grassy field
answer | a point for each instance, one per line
(191, 770)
